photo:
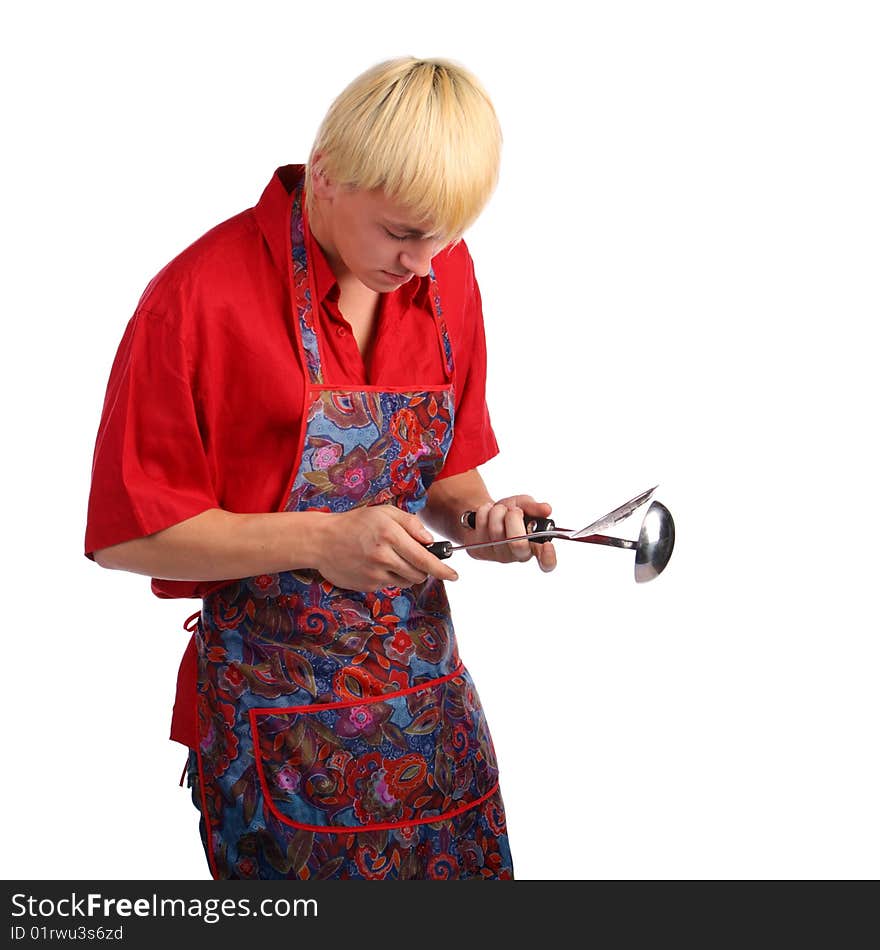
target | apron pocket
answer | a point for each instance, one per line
(420, 755)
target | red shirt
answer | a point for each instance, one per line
(207, 388)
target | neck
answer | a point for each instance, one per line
(322, 231)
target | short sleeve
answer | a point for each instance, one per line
(150, 467)
(473, 441)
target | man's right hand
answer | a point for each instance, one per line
(377, 546)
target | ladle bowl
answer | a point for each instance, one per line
(654, 546)
(656, 541)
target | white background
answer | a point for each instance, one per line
(680, 280)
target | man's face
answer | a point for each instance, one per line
(376, 239)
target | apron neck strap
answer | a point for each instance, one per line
(304, 296)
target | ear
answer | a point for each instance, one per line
(322, 186)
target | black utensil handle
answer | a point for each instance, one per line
(441, 549)
(469, 519)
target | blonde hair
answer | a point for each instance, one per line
(422, 130)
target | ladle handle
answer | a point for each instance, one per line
(440, 549)
(444, 549)
(533, 525)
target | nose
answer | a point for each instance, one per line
(418, 259)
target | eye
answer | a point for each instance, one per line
(397, 237)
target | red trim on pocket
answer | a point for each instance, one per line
(314, 708)
(375, 826)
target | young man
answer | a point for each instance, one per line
(297, 395)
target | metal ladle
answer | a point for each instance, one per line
(655, 544)
(653, 548)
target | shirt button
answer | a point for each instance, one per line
(340, 331)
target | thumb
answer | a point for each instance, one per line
(530, 506)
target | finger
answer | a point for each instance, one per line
(415, 561)
(495, 524)
(514, 525)
(419, 560)
(535, 509)
(401, 568)
(481, 523)
(397, 580)
(546, 555)
(526, 502)
(496, 531)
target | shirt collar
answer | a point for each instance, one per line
(273, 213)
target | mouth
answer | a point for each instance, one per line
(401, 278)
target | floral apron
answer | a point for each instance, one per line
(340, 736)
